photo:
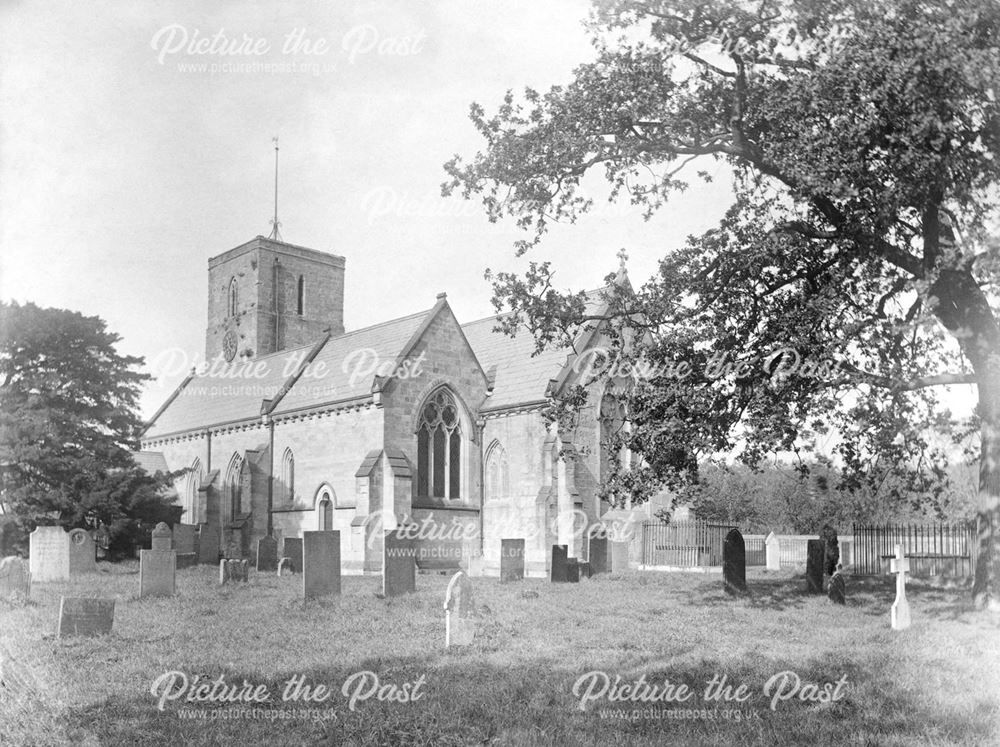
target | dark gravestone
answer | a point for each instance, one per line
(585, 570)
(320, 564)
(185, 544)
(815, 556)
(734, 563)
(831, 550)
(511, 560)
(837, 592)
(399, 568)
(598, 555)
(572, 570)
(157, 573)
(208, 544)
(82, 552)
(292, 549)
(85, 616)
(558, 573)
(15, 579)
(267, 554)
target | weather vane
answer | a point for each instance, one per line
(275, 233)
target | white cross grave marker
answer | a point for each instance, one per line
(900, 614)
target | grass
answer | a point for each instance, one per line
(937, 683)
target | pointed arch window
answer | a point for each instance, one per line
(234, 297)
(236, 475)
(301, 296)
(191, 493)
(439, 448)
(287, 488)
(497, 473)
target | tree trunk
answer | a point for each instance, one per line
(985, 588)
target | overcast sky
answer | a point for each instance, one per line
(128, 158)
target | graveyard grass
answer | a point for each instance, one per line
(937, 683)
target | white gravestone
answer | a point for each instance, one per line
(48, 556)
(459, 620)
(772, 552)
(900, 615)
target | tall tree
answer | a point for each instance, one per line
(856, 267)
(68, 420)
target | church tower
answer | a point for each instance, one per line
(267, 295)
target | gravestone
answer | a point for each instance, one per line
(320, 564)
(292, 548)
(285, 567)
(572, 570)
(598, 555)
(184, 544)
(82, 552)
(831, 551)
(619, 557)
(157, 573)
(208, 544)
(15, 579)
(267, 554)
(459, 615)
(558, 573)
(511, 560)
(899, 616)
(162, 539)
(816, 555)
(233, 551)
(399, 569)
(85, 616)
(234, 571)
(837, 593)
(734, 563)
(772, 552)
(48, 558)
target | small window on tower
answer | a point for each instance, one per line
(233, 297)
(302, 288)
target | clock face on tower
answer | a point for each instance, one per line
(229, 345)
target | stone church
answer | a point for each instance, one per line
(298, 425)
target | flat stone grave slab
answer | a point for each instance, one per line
(85, 616)
(511, 560)
(320, 564)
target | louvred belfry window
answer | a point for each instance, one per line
(439, 449)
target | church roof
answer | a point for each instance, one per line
(236, 392)
(151, 461)
(520, 377)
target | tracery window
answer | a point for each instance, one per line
(439, 448)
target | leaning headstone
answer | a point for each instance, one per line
(558, 573)
(292, 548)
(734, 563)
(459, 616)
(320, 564)
(899, 616)
(837, 592)
(619, 557)
(157, 573)
(598, 559)
(572, 570)
(208, 544)
(267, 554)
(772, 552)
(511, 560)
(87, 616)
(82, 552)
(815, 556)
(162, 538)
(285, 567)
(48, 557)
(399, 570)
(15, 579)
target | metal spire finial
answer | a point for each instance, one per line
(275, 233)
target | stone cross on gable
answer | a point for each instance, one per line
(900, 614)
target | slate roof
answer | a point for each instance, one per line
(151, 461)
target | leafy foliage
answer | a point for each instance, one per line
(68, 419)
